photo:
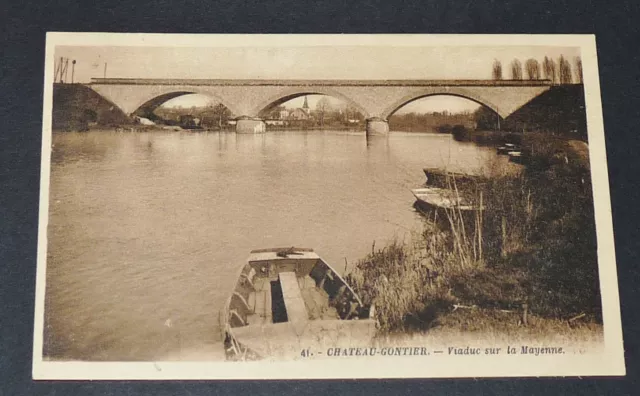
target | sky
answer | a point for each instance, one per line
(306, 62)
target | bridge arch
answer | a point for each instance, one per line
(460, 92)
(275, 100)
(152, 100)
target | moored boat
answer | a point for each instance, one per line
(443, 178)
(288, 301)
(519, 157)
(443, 198)
(508, 148)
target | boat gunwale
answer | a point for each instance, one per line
(282, 249)
(225, 311)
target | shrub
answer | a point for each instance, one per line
(461, 133)
(445, 128)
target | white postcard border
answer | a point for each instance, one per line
(610, 361)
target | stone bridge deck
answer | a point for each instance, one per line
(250, 99)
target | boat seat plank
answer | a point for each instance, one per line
(259, 303)
(251, 301)
(259, 283)
(254, 319)
(293, 301)
(313, 308)
(262, 308)
(306, 282)
(267, 305)
(317, 303)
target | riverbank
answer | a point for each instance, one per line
(531, 253)
(176, 128)
(142, 128)
(487, 138)
(496, 138)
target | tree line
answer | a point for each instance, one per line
(442, 122)
(558, 72)
(211, 116)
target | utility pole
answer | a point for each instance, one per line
(64, 64)
(55, 73)
(105, 70)
(73, 69)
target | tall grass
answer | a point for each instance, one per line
(533, 242)
(405, 280)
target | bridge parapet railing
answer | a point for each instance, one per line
(285, 82)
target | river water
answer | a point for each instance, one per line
(148, 230)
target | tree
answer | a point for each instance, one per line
(532, 68)
(497, 70)
(578, 70)
(275, 113)
(565, 71)
(322, 108)
(352, 113)
(549, 69)
(516, 70)
(486, 118)
(221, 114)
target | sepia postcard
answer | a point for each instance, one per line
(324, 206)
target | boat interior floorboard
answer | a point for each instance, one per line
(317, 302)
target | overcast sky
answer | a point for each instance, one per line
(314, 62)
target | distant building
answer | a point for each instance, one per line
(301, 113)
(305, 106)
(276, 122)
(298, 114)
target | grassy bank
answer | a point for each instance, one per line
(530, 253)
(495, 138)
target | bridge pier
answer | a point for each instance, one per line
(250, 125)
(377, 127)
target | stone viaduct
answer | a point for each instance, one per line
(377, 100)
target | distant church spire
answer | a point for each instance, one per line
(305, 106)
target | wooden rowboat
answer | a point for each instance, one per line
(443, 198)
(508, 148)
(288, 302)
(443, 178)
